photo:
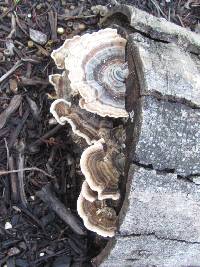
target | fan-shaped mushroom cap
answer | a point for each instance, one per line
(97, 217)
(88, 193)
(100, 173)
(84, 124)
(99, 58)
(97, 70)
(59, 54)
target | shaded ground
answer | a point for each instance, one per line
(31, 234)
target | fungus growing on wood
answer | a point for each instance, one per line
(97, 71)
(88, 193)
(99, 170)
(97, 216)
(84, 124)
(60, 54)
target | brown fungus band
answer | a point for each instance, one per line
(97, 216)
(99, 170)
(88, 193)
(84, 124)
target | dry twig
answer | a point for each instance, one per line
(3, 172)
(18, 64)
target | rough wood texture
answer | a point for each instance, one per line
(169, 119)
(157, 28)
(161, 205)
(159, 223)
(169, 137)
(150, 251)
(166, 69)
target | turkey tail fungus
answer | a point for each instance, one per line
(91, 102)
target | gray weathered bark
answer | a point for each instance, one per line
(162, 205)
(150, 251)
(169, 137)
(159, 223)
(157, 28)
(166, 69)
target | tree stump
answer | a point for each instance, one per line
(159, 223)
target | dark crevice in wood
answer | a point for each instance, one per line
(133, 127)
(171, 99)
(132, 260)
(119, 20)
(133, 106)
(131, 16)
(189, 178)
(160, 238)
(104, 253)
(149, 167)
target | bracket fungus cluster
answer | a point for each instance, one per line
(94, 72)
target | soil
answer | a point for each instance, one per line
(35, 152)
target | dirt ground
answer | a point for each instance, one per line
(47, 154)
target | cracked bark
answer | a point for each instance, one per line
(160, 215)
(158, 237)
(153, 27)
(148, 251)
(159, 223)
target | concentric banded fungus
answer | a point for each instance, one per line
(97, 217)
(101, 175)
(99, 61)
(95, 68)
(87, 192)
(85, 124)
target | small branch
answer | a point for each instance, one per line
(27, 169)
(19, 24)
(53, 24)
(13, 30)
(14, 135)
(159, 10)
(8, 11)
(67, 17)
(20, 147)
(12, 107)
(46, 195)
(13, 181)
(18, 64)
